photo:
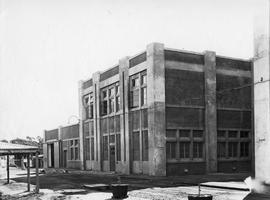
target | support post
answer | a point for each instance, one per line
(210, 111)
(28, 173)
(37, 174)
(7, 168)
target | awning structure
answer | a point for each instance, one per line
(7, 149)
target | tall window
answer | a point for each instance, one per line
(233, 144)
(117, 98)
(185, 144)
(88, 105)
(74, 149)
(110, 99)
(138, 90)
(104, 102)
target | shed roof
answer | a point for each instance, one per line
(10, 148)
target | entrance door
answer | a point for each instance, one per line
(65, 159)
(112, 158)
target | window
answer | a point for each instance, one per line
(232, 149)
(171, 150)
(197, 133)
(104, 103)
(105, 147)
(143, 96)
(136, 146)
(171, 133)
(92, 149)
(184, 133)
(145, 145)
(233, 144)
(244, 149)
(74, 149)
(197, 149)
(88, 105)
(138, 90)
(221, 147)
(118, 147)
(117, 99)
(111, 99)
(184, 149)
(87, 149)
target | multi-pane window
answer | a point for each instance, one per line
(110, 99)
(233, 144)
(105, 148)
(145, 145)
(136, 146)
(74, 149)
(184, 144)
(138, 90)
(88, 105)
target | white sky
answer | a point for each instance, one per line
(47, 46)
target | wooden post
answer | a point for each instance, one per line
(37, 174)
(28, 173)
(7, 168)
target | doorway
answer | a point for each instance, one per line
(112, 158)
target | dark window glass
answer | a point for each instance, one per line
(111, 124)
(92, 149)
(76, 153)
(144, 121)
(104, 94)
(112, 138)
(171, 133)
(91, 110)
(197, 133)
(244, 149)
(87, 149)
(184, 133)
(244, 134)
(221, 134)
(232, 134)
(104, 107)
(105, 147)
(135, 82)
(232, 149)
(111, 105)
(197, 149)
(171, 150)
(91, 128)
(118, 147)
(86, 129)
(134, 98)
(221, 146)
(145, 145)
(136, 146)
(184, 149)
(117, 123)
(117, 104)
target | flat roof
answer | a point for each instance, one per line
(10, 148)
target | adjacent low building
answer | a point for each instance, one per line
(161, 112)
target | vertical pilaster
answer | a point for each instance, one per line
(81, 118)
(45, 151)
(60, 146)
(156, 109)
(210, 111)
(97, 136)
(124, 116)
(262, 92)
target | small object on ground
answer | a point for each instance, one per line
(119, 191)
(200, 196)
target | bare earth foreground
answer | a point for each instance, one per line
(71, 186)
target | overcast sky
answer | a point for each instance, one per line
(47, 46)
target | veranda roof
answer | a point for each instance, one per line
(10, 148)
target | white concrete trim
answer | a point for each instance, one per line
(137, 68)
(183, 66)
(109, 81)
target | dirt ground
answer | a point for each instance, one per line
(71, 186)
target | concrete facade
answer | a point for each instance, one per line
(164, 112)
(262, 92)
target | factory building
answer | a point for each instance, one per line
(161, 112)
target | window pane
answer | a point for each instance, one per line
(184, 149)
(144, 79)
(171, 150)
(87, 149)
(244, 134)
(104, 128)
(117, 123)
(244, 149)
(145, 145)
(197, 149)
(184, 133)
(117, 104)
(111, 92)
(135, 82)
(118, 147)
(105, 147)
(232, 149)
(232, 134)
(72, 153)
(117, 90)
(171, 133)
(111, 124)
(197, 133)
(86, 129)
(91, 128)
(221, 134)
(221, 149)
(76, 153)
(136, 146)
(71, 142)
(104, 107)
(144, 122)
(92, 149)
(91, 111)
(104, 94)
(111, 105)
(144, 96)
(134, 98)
(76, 142)
(112, 138)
